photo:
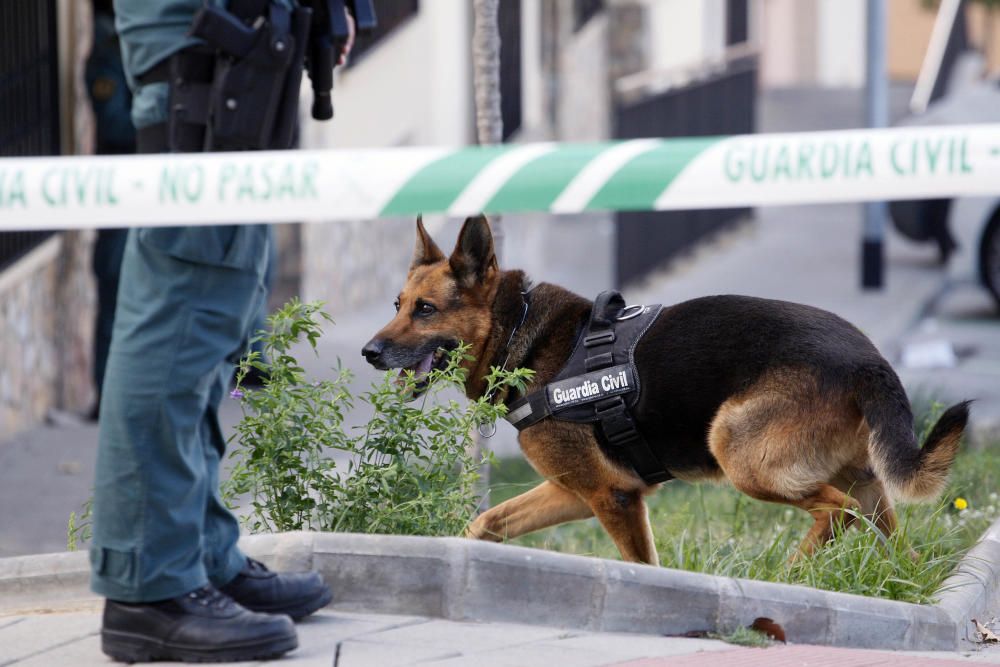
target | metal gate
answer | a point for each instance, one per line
(509, 25)
(29, 97)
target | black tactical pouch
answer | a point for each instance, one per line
(259, 52)
(240, 90)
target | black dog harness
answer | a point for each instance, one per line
(599, 383)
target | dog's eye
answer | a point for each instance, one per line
(424, 309)
(396, 304)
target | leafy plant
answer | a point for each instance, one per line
(408, 471)
(79, 528)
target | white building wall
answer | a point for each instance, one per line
(414, 87)
(685, 32)
(787, 42)
(840, 45)
(812, 43)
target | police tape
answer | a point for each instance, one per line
(641, 174)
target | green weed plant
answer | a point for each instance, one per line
(408, 471)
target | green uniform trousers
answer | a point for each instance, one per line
(186, 304)
(187, 301)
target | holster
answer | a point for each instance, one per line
(239, 90)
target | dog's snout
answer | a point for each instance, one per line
(372, 351)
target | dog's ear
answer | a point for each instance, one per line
(473, 258)
(426, 251)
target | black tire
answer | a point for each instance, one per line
(989, 257)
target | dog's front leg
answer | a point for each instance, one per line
(623, 514)
(545, 505)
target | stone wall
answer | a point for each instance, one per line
(47, 297)
(46, 307)
(28, 364)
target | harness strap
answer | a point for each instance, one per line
(613, 415)
(529, 410)
(611, 412)
(620, 431)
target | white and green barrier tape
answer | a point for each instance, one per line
(642, 174)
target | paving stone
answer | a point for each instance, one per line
(37, 634)
(348, 625)
(10, 620)
(626, 645)
(362, 653)
(85, 651)
(797, 656)
(989, 654)
(465, 637)
(528, 656)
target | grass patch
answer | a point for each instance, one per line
(716, 530)
(745, 637)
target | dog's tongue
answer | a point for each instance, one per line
(420, 369)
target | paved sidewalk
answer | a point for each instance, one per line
(336, 639)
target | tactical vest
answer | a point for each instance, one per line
(599, 383)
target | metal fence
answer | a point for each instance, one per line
(720, 103)
(509, 26)
(29, 96)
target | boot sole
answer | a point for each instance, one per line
(126, 647)
(299, 609)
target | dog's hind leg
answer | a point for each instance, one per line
(827, 507)
(863, 486)
(545, 505)
(784, 442)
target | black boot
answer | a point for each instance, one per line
(201, 626)
(259, 589)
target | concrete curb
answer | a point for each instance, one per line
(477, 581)
(465, 580)
(973, 590)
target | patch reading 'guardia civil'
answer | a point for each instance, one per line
(590, 387)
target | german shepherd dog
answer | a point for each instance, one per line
(789, 403)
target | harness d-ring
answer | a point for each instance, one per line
(629, 312)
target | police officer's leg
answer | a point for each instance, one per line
(223, 560)
(178, 321)
(151, 484)
(153, 480)
(247, 581)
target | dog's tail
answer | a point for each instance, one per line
(910, 471)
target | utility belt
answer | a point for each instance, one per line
(239, 90)
(599, 383)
